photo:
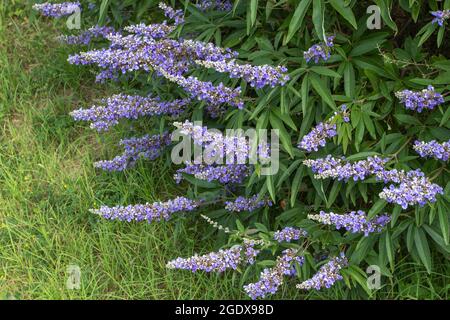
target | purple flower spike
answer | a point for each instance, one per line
(340, 169)
(218, 261)
(147, 212)
(413, 188)
(176, 15)
(440, 16)
(320, 51)
(354, 222)
(147, 147)
(57, 10)
(229, 173)
(87, 36)
(433, 149)
(272, 278)
(257, 76)
(122, 106)
(316, 138)
(246, 204)
(327, 275)
(419, 100)
(288, 234)
(219, 5)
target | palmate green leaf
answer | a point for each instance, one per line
(240, 226)
(359, 134)
(286, 118)
(367, 64)
(324, 71)
(296, 182)
(440, 36)
(345, 11)
(408, 119)
(386, 13)
(410, 237)
(333, 193)
(362, 155)
(415, 10)
(349, 80)
(253, 11)
(369, 125)
(395, 214)
(297, 19)
(103, 12)
(377, 208)
(287, 173)
(235, 5)
(357, 276)
(390, 249)
(285, 137)
(305, 93)
(445, 117)
(322, 90)
(271, 186)
(428, 30)
(318, 18)
(443, 212)
(366, 46)
(437, 238)
(364, 246)
(421, 243)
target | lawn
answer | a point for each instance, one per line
(48, 184)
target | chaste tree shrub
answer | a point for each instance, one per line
(356, 92)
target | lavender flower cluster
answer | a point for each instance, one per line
(176, 15)
(235, 147)
(57, 10)
(354, 222)
(419, 100)
(440, 16)
(154, 31)
(123, 106)
(169, 58)
(87, 36)
(219, 5)
(147, 212)
(224, 174)
(246, 204)
(316, 138)
(218, 261)
(433, 149)
(288, 234)
(340, 169)
(327, 275)
(413, 186)
(206, 90)
(272, 278)
(320, 51)
(257, 76)
(149, 49)
(147, 147)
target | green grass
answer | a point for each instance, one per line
(48, 183)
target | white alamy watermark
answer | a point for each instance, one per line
(74, 20)
(196, 145)
(73, 281)
(374, 20)
(374, 278)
